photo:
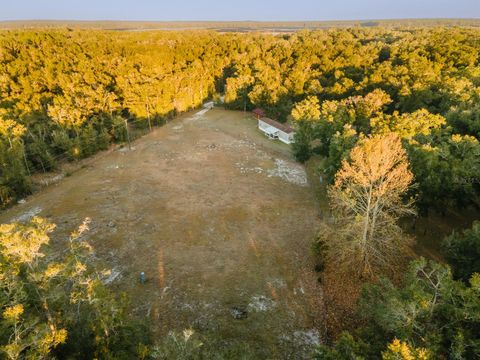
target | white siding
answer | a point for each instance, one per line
(282, 136)
(262, 125)
(286, 138)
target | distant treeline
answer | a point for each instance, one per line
(67, 93)
(232, 25)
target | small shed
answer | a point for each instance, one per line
(275, 130)
(259, 113)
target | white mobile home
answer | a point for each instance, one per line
(275, 130)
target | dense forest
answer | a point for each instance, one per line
(66, 94)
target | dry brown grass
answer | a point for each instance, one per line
(209, 235)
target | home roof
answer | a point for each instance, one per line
(283, 127)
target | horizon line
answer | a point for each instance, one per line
(238, 21)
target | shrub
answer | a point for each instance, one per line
(463, 251)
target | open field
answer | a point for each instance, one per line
(218, 217)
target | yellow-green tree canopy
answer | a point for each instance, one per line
(307, 110)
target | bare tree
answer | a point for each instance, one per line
(367, 202)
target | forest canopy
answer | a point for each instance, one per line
(65, 94)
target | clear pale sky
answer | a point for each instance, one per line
(295, 10)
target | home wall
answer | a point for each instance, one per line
(262, 125)
(286, 138)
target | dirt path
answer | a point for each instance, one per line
(218, 217)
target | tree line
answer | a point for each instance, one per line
(66, 94)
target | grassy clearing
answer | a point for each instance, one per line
(202, 207)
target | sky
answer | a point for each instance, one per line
(224, 10)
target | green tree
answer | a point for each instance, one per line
(446, 165)
(430, 310)
(53, 307)
(307, 110)
(429, 316)
(463, 251)
(406, 125)
(13, 177)
(301, 147)
(341, 143)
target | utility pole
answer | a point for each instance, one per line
(128, 135)
(148, 115)
(245, 105)
(26, 162)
